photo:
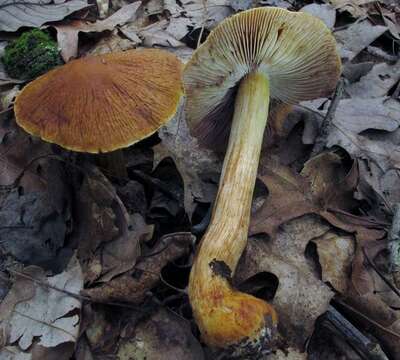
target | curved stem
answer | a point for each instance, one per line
(226, 236)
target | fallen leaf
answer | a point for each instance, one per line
(322, 11)
(35, 204)
(354, 7)
(198, 167)
(331, 183)
(49, 313)
(200, 13)
(167, 198)
(17, 151)
(376, 83)
(132, 194)
(35, 13)
(157, 34)
(240, 5)
(391, 21)
(301, 297)
(354, 72)
(32, 230)
(354, 116)
(112, 43)
(68, 34)
(108, 238)
(278, 3)
(164, 336)
(335, 254)
(132, 287)
(14, 353)
(288, 354)
(101, 331)
(356, 37)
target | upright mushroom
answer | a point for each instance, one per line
(103, 103)
(251, 57)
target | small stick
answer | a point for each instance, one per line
(203, 24)
(327, 122)
(386, 281)
(375, 51)
(394, 245)
(355, 337)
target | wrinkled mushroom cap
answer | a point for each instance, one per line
(296, 51)
(102, 103)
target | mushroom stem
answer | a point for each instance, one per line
(226, 316)
(114, 164)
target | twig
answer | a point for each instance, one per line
(386, 281)
(368, 319)
(375, 51)
(327, 122)
(394, 244)
(6, 110)
(357, 339)
(203, 25)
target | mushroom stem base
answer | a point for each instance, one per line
(114, 165)
(226, 317)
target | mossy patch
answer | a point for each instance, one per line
(31, 55)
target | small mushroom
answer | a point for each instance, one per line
(103, 103)
(250, 58)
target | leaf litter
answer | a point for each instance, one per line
(318, 230)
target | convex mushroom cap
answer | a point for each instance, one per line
(102, 103)
(294, 50)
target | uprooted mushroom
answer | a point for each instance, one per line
(100, 104)
(250, 58)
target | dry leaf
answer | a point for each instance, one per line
(357, 37)
(331, 183)
(354, 116)
(34, 13)
(335, 253)
(164, 336)
(288, 354)
(354, 7)
(112, 43)
(14, 353)
(132, 287)
(301, 297)
(198, 167)
(67, 35)
(322, 11)
(17, 151)
(109, 240)
(278, 3)
(200, 13)
(49, 313)
(376, 83)
(156, 34)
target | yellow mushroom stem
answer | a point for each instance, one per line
(226, 317)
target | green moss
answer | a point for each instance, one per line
(31, 55)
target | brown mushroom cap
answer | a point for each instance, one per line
(296, 51)
(102, 103)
